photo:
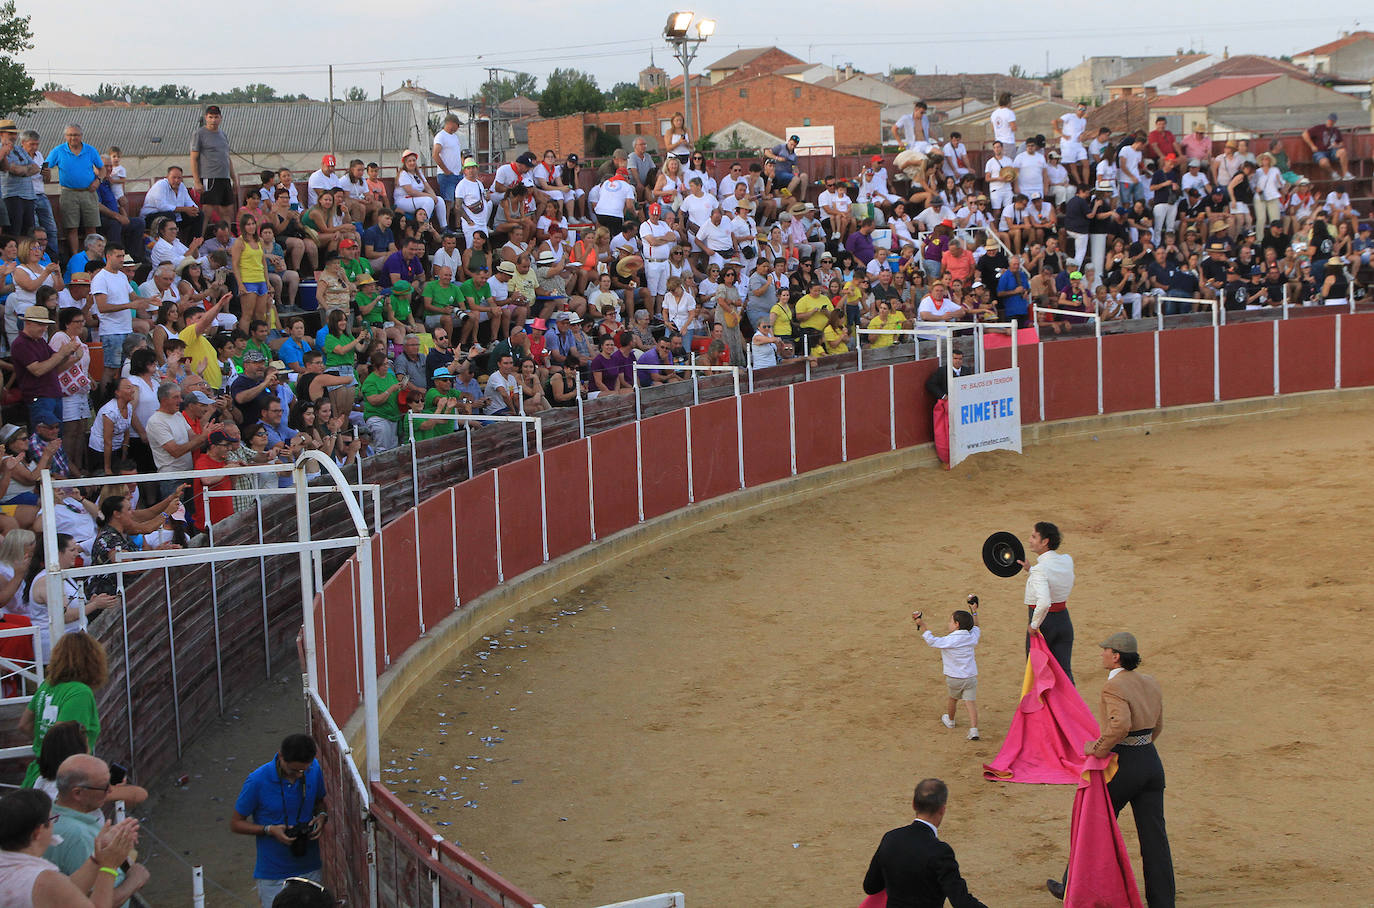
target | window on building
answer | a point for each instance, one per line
(744, 92)
(611, 129)
(806, 121)
(796, 92)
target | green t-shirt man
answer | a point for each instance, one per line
(474, 293)
(356, 267)
(69, 701)
(438, 297)
(443, 427)
(376, 383)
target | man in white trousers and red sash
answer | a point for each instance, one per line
(1048, 586)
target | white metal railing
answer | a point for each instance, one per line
(1097, 332)
(696, 399)
(466, 420)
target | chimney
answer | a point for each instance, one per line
(1226, 52)
(849, 70)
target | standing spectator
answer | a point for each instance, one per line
(82, 781)
(115, 302)
(169, 197)
(1328, 148)
(78, 173)
(38, 366)
(169, 434)
(1013, 289)
(211, 170)
(29, 879)
(214, 458)
(1197, 144)
(108, 441)
(1003, 122)
(16, 181)
(447, 155)
(277, 799)
(78, 669)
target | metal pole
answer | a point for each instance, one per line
(806, 354)
(128, 683)
(332, 150)
(414, 463)
(381, 117)
(749, 363)
(1097, 329)
(305, 560)
(172, 654)
(198, 886)
(468, 428)
(681, 45)
(57, 603)
(581, 416)
(687, 428)
(262, 585)
(371, 725)
(739, 433)
(696, 395)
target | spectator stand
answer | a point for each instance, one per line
(696, 399)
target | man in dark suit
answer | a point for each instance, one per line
(938, 383)
(913, 865)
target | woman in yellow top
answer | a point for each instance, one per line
(250, 271)
(813, 315)
(783, 316)
(886, 319)
(836, 334)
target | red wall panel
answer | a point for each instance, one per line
(1247, 360)
(379, 603)
(1307, 354)
(715, 449)
(914, 421)
(615, 489)
(475, 504)
(1185, 366)
(1000, 358)
(767, 438)
(1128, 372)
(336, 639)
(400, 587)
(436, 557)
(868, 427)
(1357, 340)
(522, 520)
(1071, 378)
(817, 405)
(565, 478)
(663, 455)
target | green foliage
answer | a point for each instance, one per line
(705, 143)
(626, 96)
(496, 91)
(603, 144)
(902, 71)
(734, 142)
(355, 94)
(569, 91)
(255, 93)
(16, 85)
(52, 86)
(660, 94)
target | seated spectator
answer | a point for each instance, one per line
(1328, 148)
(381, 392)
(169, 197)
(26, 835)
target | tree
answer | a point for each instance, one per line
(355, 94)
(52, 86)
(1017, 71)
(568, 91)
(626, 96)
(902, 71)
(495, 91)
(16, 85)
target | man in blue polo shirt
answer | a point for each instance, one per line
(1012, 289)
(78, 173)
(785, 175)
(278, 797)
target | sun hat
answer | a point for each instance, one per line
(506, 268)
(38, 315)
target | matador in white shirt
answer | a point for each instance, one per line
(1048, 585)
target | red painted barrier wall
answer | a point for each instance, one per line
(1307, 355)
(1357, 340)
(522, 518)
(1128, 372)
(565, 477)
(337, 640)
(817, 406)
(436, 553)
(914, 423)
(715, 449)
(615, 489)
(663, 458)
(868, 427)
(767, 438)
(400, 587)
(1247, 360)
(1070, 378)
(1185, 366)
(475, 505)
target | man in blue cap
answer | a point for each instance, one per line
(785, 176)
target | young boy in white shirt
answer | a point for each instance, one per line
(961, 670)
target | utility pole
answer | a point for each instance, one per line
(332, 149)
(381, 115)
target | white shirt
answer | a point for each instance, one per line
(649, 230)
(993, 167)
(163, 428)
(355, 190)
(450, 150)
(1050, 580)
(614, 195)
(716, 237)
(406, 179)
(677, 309)
(116, 288)
(727, 185)
(1003, 122)
(443, 259)
(765, 354)
(906, 125)
(698, 208)
(162, 197)
(1073, 126)
(1030, 173)
(833, 198)
(956, 651)
(1200, 182)
(623, 245)
(956, 159)
(472, 194)
(1128, 164)
(320, 180)
(708, 182)
(506, 176)
(495, 401)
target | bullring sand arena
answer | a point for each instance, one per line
(742, 714)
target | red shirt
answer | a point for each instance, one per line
(220, 507)
(1162, 141)
(1324, 137)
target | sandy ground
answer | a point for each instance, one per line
(188, 824)
(742, 716)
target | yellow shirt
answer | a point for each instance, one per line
(250, 264)
(853, 294)
(834, 341)
(782, 319)
(812, 312)
(892, 321)
(201, 355)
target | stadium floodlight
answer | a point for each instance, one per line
(678, 23)
(706, 28)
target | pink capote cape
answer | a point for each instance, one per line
(1100, 874)
(941, 418)
(992, 340)
(1045, 742)
(875, 901)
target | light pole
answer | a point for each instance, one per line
(685, 50)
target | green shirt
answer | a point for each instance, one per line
(475, 294)
(500, 349)
(78, 831)
(339, 359)
(432, 406)
(53, 703)
(439, 297)
(355, 268)
(376, 383)
(400, 307)
(377, 314)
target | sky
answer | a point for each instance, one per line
(447, 49)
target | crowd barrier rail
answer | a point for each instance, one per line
(500, 525)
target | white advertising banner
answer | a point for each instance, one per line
(984, 413)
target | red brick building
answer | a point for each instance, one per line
(767, 101)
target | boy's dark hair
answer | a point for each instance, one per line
(298, 749)
(964, 619)
(1049, 532)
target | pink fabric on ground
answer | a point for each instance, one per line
(1100, 874)
(993, 340)
(875, 901)
(1051, 725)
